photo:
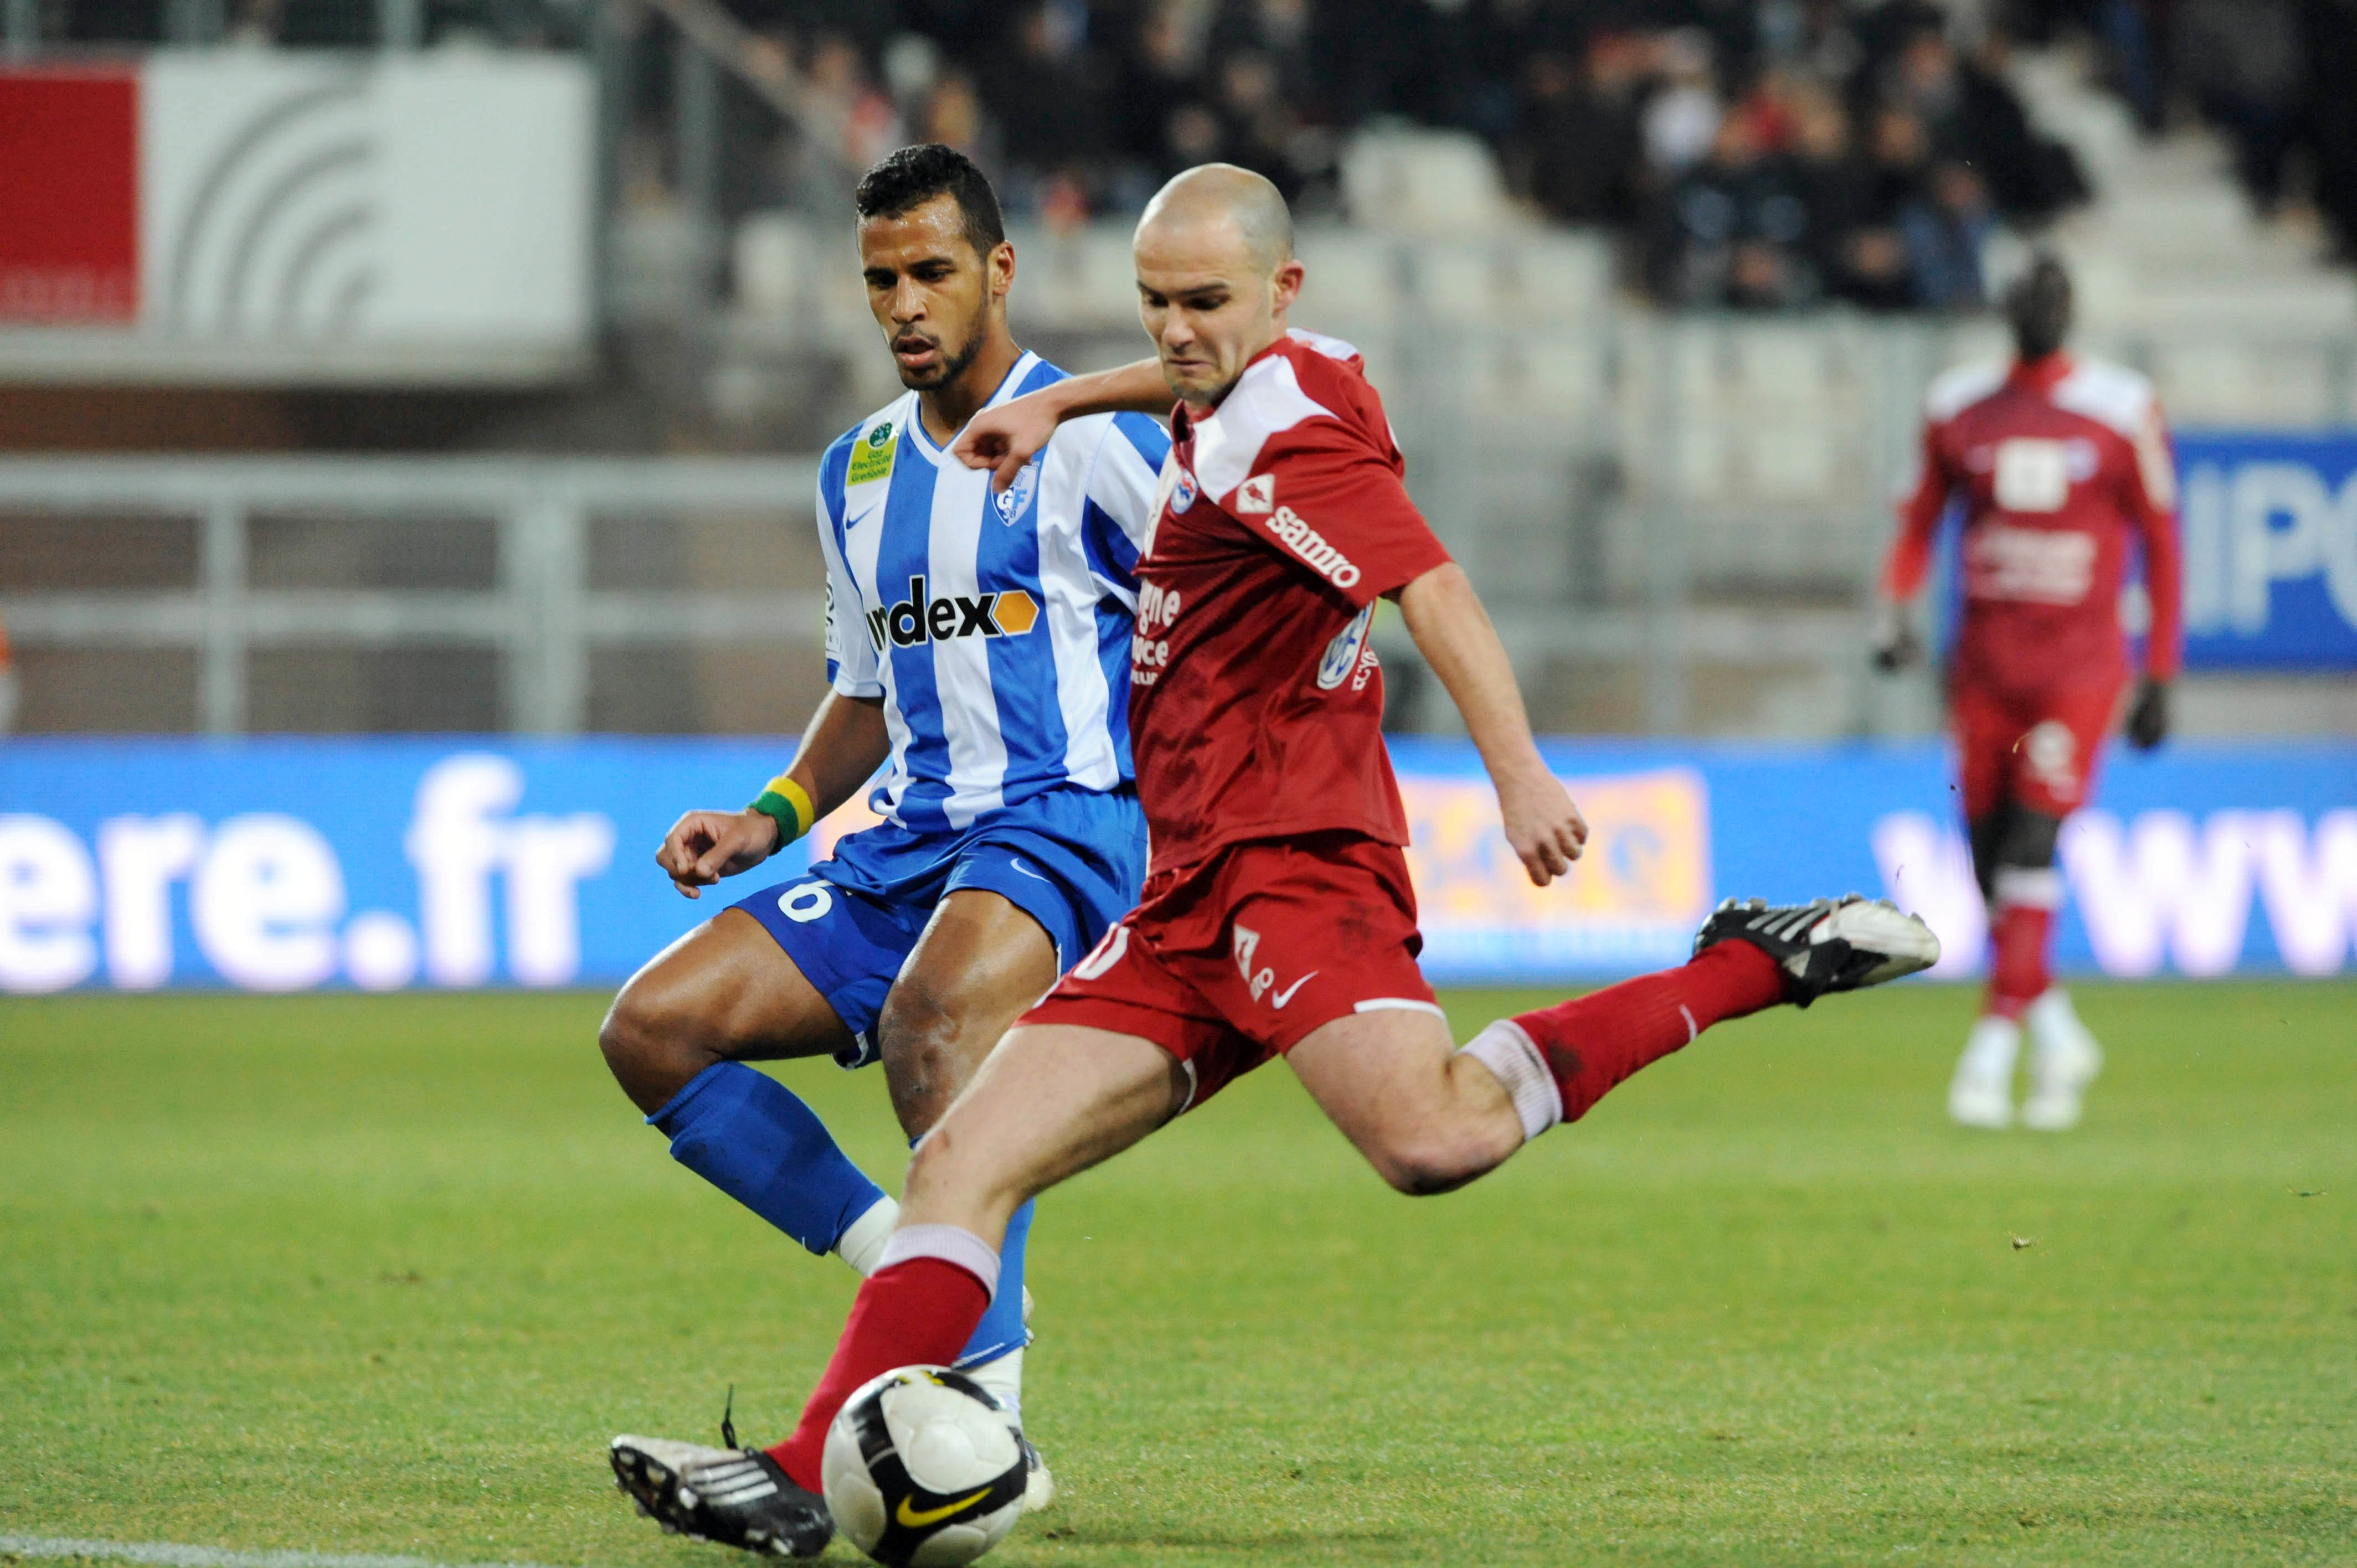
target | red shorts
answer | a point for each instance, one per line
(1233, 961)
(2037, 749)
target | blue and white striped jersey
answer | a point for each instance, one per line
(995, 627)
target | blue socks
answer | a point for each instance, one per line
(753, 1138)
(1001, 1328)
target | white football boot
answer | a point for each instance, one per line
(2065, 1060)
(1004, 1378)
(1981, 1094)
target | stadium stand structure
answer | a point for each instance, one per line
(1673, 515)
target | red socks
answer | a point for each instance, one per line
(2018, 975)
(917, 1312)
(1592, 1042)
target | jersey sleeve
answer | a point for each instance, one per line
(850, 656)
(1325, 496)
(2152, 510)
(1117, 514)
(1909, 560)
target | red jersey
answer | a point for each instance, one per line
(2058, 463)
(1256, 705)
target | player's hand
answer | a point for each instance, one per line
(1895, 643)
(1543, 824)
(1002, 439)
(704, 847)
(2148, 718)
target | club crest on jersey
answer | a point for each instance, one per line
(1183, 493)
(1256, 494)
(1015, 498)
(1349, 652)
(920, 618)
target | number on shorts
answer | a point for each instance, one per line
(1104, 956)
(808, 902)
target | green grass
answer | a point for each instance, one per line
(383, 1274)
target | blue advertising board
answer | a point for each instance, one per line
(385, 863)
(2269, 524)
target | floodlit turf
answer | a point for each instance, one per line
(383, 1274)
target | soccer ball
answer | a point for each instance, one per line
(923, 1469)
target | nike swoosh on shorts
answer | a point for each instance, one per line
(1280, 998)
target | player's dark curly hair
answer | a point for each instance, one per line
(916, 174)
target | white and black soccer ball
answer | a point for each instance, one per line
(923, 1468)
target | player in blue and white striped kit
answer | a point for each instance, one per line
(977, 646)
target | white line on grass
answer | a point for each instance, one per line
(170, 1556)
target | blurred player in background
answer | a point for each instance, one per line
(1278, 918)
(2058, 465)
(978, 648)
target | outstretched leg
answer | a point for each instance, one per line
(1050, 1103)
(1430, 1118)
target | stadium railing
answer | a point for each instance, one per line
(543, 615)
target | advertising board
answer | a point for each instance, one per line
(385, 864)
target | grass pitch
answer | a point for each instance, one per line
(383, 1274)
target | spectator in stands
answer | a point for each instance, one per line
(1973, 117)
(1732, 231)
(2329, 43)
(1257, 125)
(953, 115)
(2239, 60)
(1577, 151)
(1042, 91)
(1855, 245)
(1681, 120)
(1947, 227)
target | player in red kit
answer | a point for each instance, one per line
(1277, 917)
(2061, 466)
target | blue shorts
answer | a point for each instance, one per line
(1070, 859)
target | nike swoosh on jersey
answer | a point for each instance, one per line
(863, 517)
(1279, 999)
(917, 1519)
(1016, 862)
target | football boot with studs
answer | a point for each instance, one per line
(729, 1496)
(1827, 944)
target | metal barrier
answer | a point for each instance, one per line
(543, 614)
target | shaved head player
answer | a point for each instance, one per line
(1277, 919)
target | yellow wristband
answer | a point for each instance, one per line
(787, 805)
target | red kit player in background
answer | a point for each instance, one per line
(2060, 464)
(1277, 917)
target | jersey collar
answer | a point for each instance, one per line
(2041, 375)
(1181, 421)
(1017, 374)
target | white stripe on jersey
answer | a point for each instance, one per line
(1102, 464)
(858, 560)
(962, 665)
(1266, 399)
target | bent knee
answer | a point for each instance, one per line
(1422, 1165)
(652, 1048)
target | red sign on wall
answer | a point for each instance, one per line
(68, 196)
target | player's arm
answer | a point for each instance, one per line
(845, 744)
(1909, 560)
(1454, 634)
(2152, 507)
(1004, 439)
